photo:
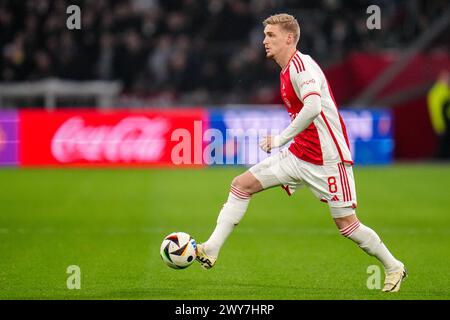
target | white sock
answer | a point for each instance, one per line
(370, 242)
(230, 215)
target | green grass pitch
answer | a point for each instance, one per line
(110, 222)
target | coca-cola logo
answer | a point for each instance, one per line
(135, 138)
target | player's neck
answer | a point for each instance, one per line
(286, 57)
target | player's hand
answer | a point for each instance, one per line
(266, 143)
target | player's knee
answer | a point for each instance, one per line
(244, 183)
(240, 183)
(345, 219)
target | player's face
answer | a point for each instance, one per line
(275, 40)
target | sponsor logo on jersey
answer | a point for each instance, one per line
(306, 82)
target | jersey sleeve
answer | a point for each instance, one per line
(305, 83)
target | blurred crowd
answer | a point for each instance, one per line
(191, 51)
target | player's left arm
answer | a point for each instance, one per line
(308, 89)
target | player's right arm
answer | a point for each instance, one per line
(311, 109)
(307, 87)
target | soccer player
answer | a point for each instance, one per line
(319, 156)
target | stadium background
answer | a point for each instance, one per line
(87, 119)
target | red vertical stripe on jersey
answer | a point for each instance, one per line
(297, 67)
(332, 135)
(346, 184)
(298, 62)
(344, 189)
(344, 131)
(342, 182)
(344, 175)
(301, 62)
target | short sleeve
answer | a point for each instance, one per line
(305, 83)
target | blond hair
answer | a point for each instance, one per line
(287, 22)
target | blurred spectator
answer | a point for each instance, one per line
(129, 57)
(207, 50)
(158, 61)
(439, 110)
(106, 57)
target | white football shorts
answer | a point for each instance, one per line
(332, 183)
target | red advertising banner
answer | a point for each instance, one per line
(117, 138)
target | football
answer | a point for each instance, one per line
(178, 250)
